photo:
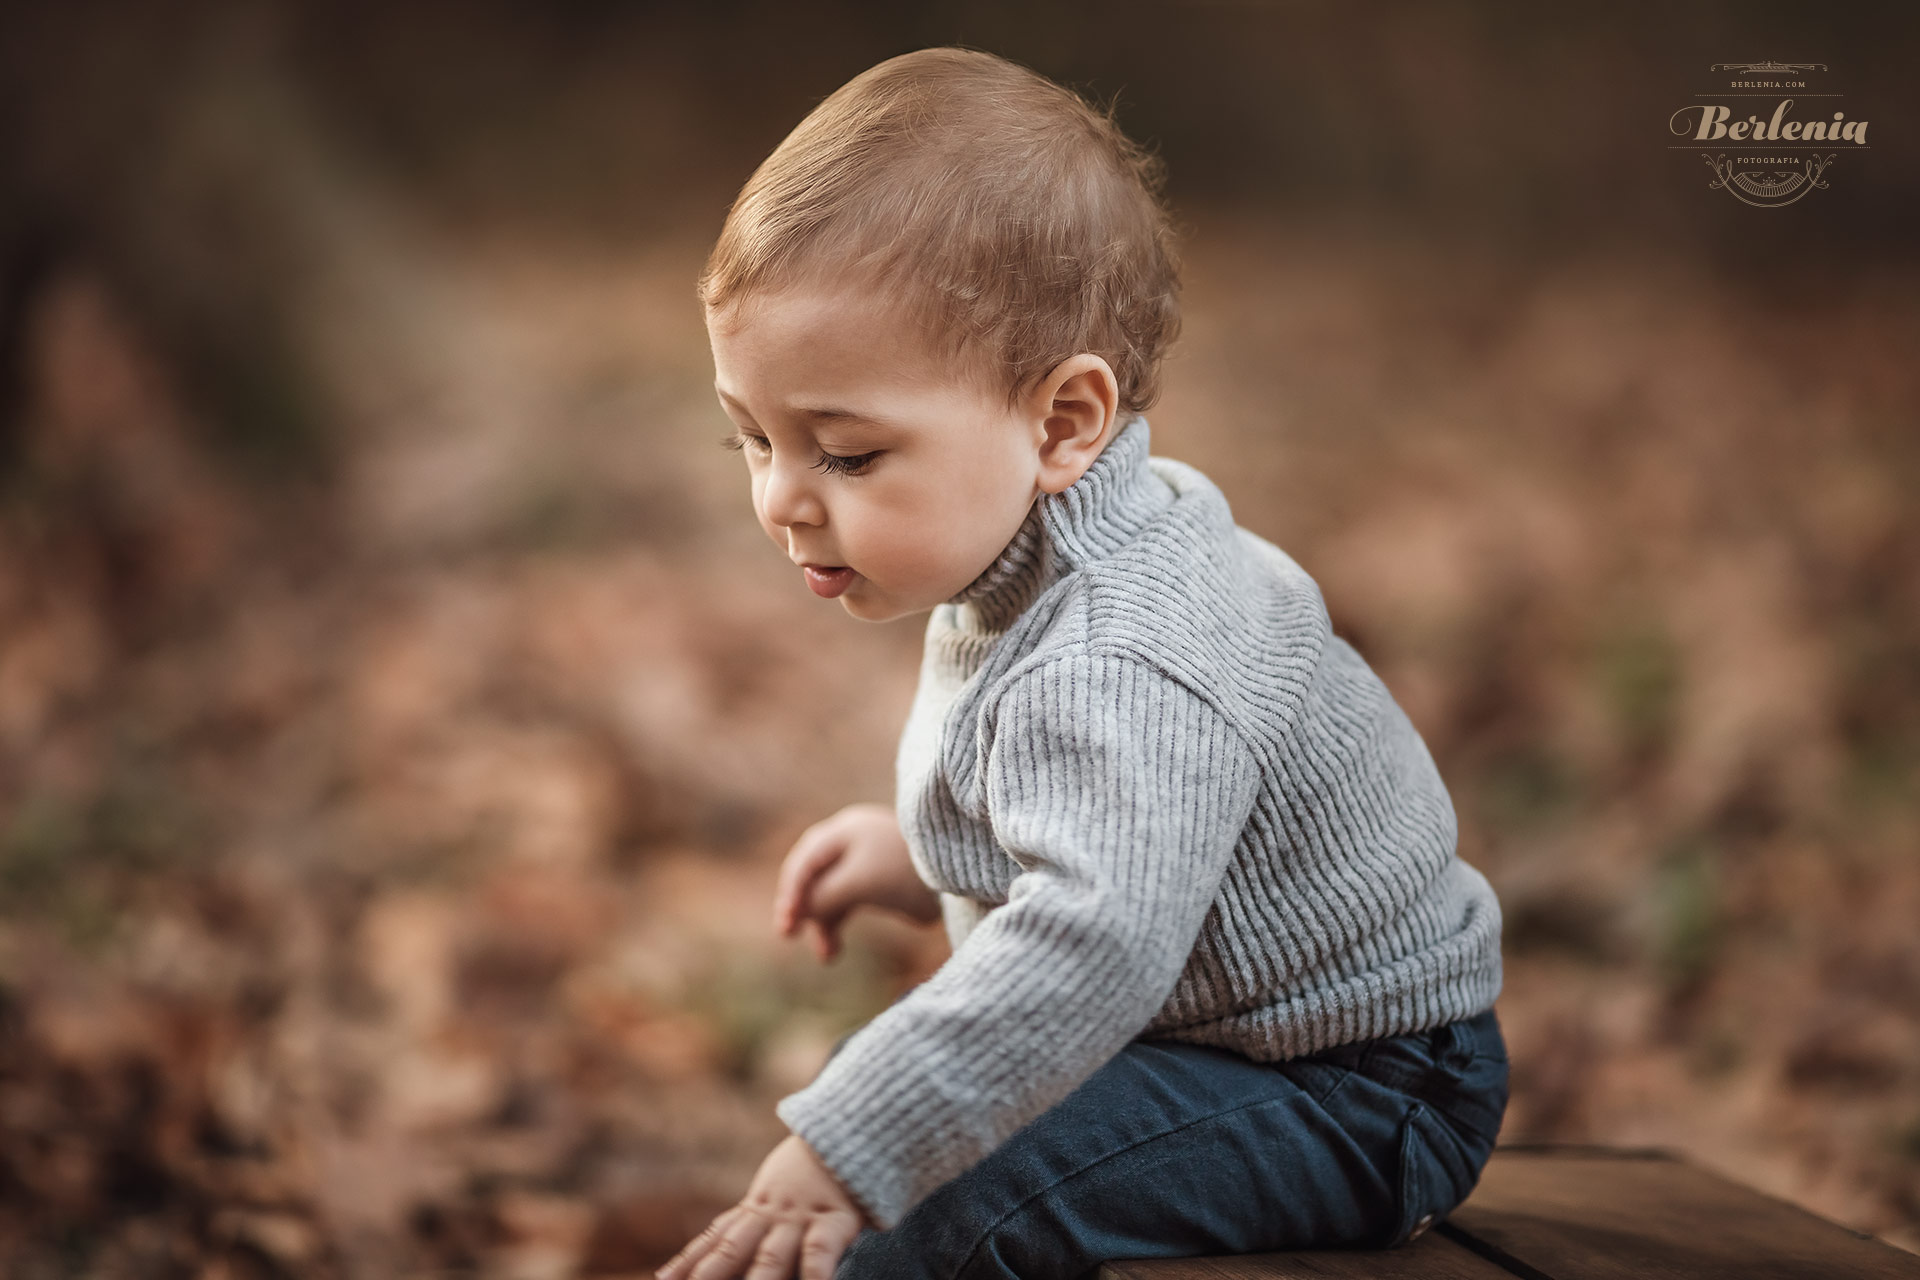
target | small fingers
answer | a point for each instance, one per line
(831, 898)
(828, 1236)
(786, 892)
(778, 1254)
(826, 939)
(682, 1263)
(727, 1257)
(810, 855)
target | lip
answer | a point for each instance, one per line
(828, 581)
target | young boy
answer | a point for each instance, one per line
(1219, 982)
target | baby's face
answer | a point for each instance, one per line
(887, 476)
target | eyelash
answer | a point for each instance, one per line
(832, 463)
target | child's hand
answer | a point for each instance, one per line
(856, 856)
(795, 1217)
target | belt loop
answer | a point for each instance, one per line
(1451, 1048)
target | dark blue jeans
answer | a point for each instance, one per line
(1176, 1150)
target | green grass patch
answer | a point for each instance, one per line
(1687, 898)
(1639, 672)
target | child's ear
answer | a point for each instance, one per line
(1075, 403)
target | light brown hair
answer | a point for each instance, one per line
(1011, 218)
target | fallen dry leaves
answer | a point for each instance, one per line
(388, 896)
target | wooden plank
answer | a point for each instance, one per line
(1589, 1214)
(1429, 1258)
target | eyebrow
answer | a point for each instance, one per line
(824, 413)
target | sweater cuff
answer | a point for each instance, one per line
(874, 1188)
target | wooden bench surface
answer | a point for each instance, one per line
(1586, 1213)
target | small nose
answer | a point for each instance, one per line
(787, 498)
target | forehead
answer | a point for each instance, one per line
(816, 340)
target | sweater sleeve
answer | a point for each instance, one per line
(1121, 795)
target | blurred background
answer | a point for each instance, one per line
(402, 718)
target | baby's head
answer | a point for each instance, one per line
(935, 300)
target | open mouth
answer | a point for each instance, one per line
(828, 580)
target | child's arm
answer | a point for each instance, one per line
(856, 857)
(796, 1215)
(1122, 794)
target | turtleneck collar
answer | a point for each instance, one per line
(1093, 517)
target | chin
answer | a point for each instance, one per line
(869, 613)
(877, 611)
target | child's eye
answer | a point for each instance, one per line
(741, 440)
(833, 463)
(847, 465)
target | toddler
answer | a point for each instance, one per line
(1219, 982)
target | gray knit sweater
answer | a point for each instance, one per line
(1159, 798)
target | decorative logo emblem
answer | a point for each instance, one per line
(1780, 155)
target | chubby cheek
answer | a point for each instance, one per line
(889, 542)
(921, 544)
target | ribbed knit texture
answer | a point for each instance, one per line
(1159, 799)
